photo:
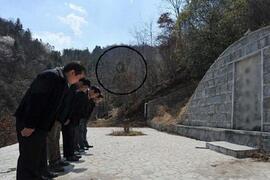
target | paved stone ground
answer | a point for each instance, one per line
(154, 156)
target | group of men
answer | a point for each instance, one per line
(59, 99)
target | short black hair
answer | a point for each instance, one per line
(95, 89)
(78, 68)
(86, 82)
(101, 96)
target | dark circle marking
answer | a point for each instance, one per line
(122, 93)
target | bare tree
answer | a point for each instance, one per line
(145, 34)
(151, 32)
(175, 6)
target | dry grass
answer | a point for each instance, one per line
(102, 123)
(163, 116)
(167, 116)
(182, 113)
(261, 157)
(123, 133)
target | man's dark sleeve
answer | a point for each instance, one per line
(40, 92)
(91, 107)
(67, 107)
(76, 112)
(85, 106)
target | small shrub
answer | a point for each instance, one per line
(124, 133)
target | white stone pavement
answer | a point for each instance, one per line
(154, 156)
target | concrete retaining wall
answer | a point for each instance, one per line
(259, 140)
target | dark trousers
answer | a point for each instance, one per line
(76, 137)
(83, 133)
(53, 139)
(68, 140)
(32, 161)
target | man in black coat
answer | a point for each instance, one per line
(56, 163)
(36, 115)
(67, 127)
(94, 95)
(76, 107)
(78, 110)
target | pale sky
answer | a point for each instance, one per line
(82, 23)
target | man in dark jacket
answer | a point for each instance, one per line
(76, 107)
(36, 115)
(55, 162)
(67, 127)
(93, 95)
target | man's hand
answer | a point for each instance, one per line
(26, 132)
(67, 122)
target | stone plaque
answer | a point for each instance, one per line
(247, 94)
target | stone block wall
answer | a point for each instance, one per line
(213, 102)
(266, 89)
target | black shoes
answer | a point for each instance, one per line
(56, 168)
(64, 163)
(80, 150)
(48, 175)
(87, 145)
(45, 178)
(78, 156)
(73, 159)
(83, 148)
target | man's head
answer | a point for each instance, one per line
(94, 92)
(74, 72)
(84, 84)
(98, 99)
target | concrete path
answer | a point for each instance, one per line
(154, 156)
